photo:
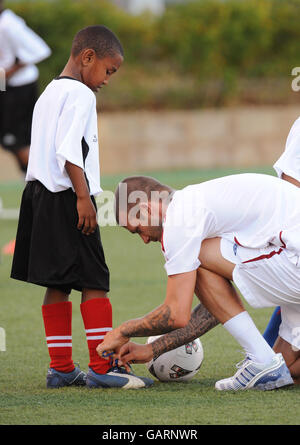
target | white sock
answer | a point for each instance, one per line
(243, 329)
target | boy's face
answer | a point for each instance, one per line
(97, 72)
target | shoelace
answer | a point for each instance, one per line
(116, 368)
(247, 358)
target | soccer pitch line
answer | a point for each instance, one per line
(8, 214)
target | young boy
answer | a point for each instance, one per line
(58, 243)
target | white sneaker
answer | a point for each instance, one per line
(251, 375)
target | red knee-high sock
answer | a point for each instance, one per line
(97, 318)
(58, 328)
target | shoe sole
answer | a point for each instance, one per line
(63, 385)
(80, 380)
(284, 380)
(130, 382)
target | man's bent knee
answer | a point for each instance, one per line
(212, 259)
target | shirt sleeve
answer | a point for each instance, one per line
(71, 127)
(182, 243)
(28, 47)
(289, 161)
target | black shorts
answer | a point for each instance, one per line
(16, 109)
(50, 251)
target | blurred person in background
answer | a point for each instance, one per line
(20, 50)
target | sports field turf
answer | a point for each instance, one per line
(137, 285)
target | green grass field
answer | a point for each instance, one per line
(138, 284)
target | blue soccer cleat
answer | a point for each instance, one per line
(57, 379)
(117, 377)
(251, 375)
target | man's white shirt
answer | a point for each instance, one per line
(251, 209)
(63, 116)
(289, 161)
(17, 40)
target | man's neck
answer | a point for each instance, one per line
(165, 204)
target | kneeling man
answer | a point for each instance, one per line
(242, 228)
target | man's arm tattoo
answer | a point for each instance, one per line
(159, 321)
(201, 322)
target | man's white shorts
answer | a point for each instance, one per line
(268, 277)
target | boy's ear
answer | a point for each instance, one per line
(88, 56)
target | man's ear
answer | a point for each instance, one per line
(145, 207)
(145, 213)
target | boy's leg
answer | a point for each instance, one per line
(57, 316)
(96, 313)
(272, 329)
(53, 296)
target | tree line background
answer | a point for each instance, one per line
(203, 53)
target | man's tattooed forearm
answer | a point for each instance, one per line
(201, 322)
(159, 321)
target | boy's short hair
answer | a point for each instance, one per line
(99, 38)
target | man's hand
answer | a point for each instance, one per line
(174, 313)
(13, 69)
(87, 216)
(111, 344)
(135, 353)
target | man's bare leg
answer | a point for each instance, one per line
(214, 278)
(215, 273)
(213, 287)
(291, 357)
(223, 306)
(208, 286)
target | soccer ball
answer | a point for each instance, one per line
(178, 365)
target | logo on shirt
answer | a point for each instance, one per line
(95, 139)
(235, 248)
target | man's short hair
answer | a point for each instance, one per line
(132, 184)
(99, 38)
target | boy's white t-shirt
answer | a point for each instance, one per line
(252, 210)
(17, 40)
(289, 161)
(64, 119)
